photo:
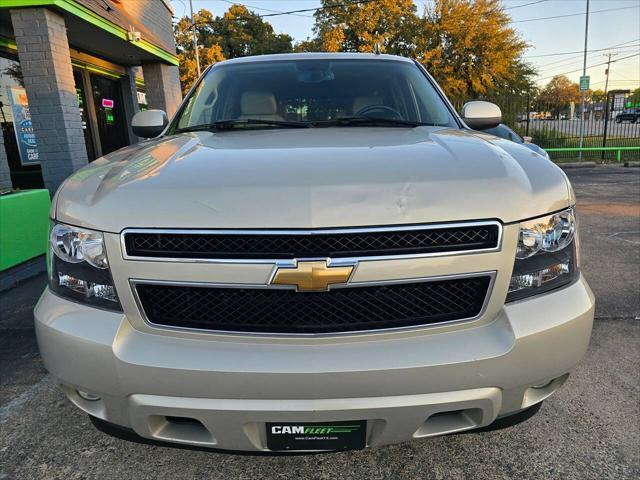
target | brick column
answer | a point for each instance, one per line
(43, 49)
(162, 84)
(5, 173)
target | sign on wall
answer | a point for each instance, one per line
(22, 125)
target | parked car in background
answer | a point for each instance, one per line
(628, 115)
(505, 132)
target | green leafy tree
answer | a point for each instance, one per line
(471, 49)
(559, 93)
(635, 97)
(237, 33)
(467, 45)
(358, 27)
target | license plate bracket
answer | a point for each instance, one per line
(305, 436)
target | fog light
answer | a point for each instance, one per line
(88, 396)
(537, 279)
(88, 289)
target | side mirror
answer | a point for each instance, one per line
(480, 115)
(149, 123)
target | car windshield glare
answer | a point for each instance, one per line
(319, 92)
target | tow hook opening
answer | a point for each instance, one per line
(180, 429)
(450, 421)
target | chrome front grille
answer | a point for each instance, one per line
(324, 243)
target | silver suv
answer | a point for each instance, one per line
(316, 253)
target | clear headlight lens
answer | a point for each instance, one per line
(79, 268)
(75, 245)
(546, 234)
(546, 256)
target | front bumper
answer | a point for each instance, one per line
(232, 385)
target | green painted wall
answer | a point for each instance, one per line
(24, 226)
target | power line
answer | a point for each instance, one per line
(580, 51)
(590, 66)
(569, 62)
(526, 4)
(327, 7)
(572, 14)
(266, 9)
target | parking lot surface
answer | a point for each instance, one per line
(589, 430)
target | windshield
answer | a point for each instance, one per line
(285, 94)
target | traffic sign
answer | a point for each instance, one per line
(584, 83)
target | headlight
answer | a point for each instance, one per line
(546, 256)
(79, 269)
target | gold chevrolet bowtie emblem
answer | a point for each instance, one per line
(312, 276)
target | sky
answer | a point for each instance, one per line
(615, 31)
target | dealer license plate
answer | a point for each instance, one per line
(316, 436)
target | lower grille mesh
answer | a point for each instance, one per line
(339, 310)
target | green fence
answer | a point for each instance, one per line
(618, 151)
(24, 226)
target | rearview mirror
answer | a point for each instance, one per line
(149, 123)
(479, 115)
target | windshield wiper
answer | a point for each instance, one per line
(368, 121)
(229, 124)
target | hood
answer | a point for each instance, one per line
(312, 178)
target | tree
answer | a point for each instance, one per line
(596, 96)
(471, 50)
(358, 27)
(559, 93)
(188, 67)
(467, 45)
(238, 32)
(635, 97)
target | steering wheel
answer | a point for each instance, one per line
(363, 112)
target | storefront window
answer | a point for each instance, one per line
(17, 132)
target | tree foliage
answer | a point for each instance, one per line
(467, 45)
(471, 50)
(237, 33)
(559, 93)
(359, 27)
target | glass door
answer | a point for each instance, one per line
(112, 127)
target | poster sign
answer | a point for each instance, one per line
(584, 83)
(107, 103)
(22, 125)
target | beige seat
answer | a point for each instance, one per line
(364, 101)
(259, 104)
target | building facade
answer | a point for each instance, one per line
(72, 75)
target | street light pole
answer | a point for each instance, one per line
(584, 74)
(195, 38)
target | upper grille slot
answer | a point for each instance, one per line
(290, 244)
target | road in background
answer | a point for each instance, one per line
(589, 430)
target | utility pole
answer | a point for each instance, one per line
(606, 102)
(195, 38)
(584, 74)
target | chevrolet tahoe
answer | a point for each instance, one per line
(316, 253)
